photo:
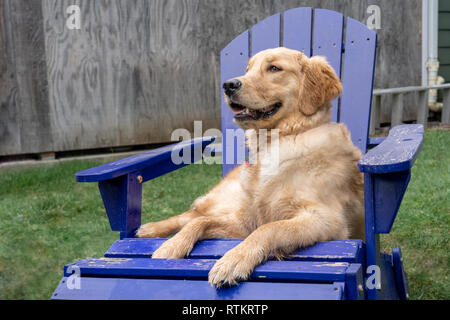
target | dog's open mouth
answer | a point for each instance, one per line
(243, 113)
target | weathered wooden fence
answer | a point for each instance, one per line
(138, 69)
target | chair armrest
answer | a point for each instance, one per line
(158, 159)
(396, 153)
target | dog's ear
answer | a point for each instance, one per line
(319, 84)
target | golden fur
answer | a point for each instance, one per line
(314, 193)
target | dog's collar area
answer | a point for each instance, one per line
(247, 161)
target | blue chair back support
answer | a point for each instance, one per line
(353, 61)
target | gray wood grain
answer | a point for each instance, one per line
(83, 72)
(139, 69)
(27, 50)
(9, 104)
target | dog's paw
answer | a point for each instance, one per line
(232, 268)
(171, 249)
(148, 230)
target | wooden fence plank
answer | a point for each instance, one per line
(28, 48)
(83, 72)
(446, 107)
(9, 97)
(422, 110)
(397, 110)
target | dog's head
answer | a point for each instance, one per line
(282, 89)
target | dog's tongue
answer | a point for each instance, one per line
(238, 111)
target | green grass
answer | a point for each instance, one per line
(47, 220)
(421, 228)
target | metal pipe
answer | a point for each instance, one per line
(424, 42)
(378, 92)
(432, 61)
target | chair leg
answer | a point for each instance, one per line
(401, 279)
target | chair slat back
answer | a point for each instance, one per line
(358, 75)
(266, 34)
(297, 30)
(328, 29)
(233, 62)
(314, 32)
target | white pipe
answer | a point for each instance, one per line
(433, 13)
(424, 42)
(432, 59)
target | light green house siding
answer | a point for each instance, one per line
(444, 39)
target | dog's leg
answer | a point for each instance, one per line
(200, 228)
(275, 239)
(166, 228)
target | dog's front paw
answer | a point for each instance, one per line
(148, 230)
(232, 268)
(171, 249)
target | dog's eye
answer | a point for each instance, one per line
(274, 69)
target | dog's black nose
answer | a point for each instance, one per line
(232, 86)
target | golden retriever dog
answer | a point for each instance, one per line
(313, 193)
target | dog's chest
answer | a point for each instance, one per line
(264, 183)
(260, 171)
(269, 162)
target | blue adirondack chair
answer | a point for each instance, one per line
(341, 269)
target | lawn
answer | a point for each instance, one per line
(48, 220)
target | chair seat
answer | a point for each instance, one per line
(328, 270)
(163, 289)
(350, 251)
